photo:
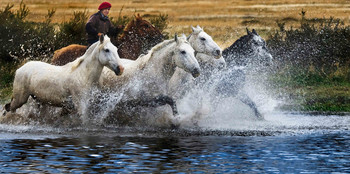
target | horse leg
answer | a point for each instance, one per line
(8, 107)
(152, 102)
(160, 101)
(163, 100)
(17, 101)
(248, 101)
(67, 107)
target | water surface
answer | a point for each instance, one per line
(284, 143)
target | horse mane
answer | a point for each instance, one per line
(127, 28)
(239, 46)
(238, 42)
(132, 24)
(195, 31)
(146, 58)
(89, 51)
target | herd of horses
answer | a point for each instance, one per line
(147, 69)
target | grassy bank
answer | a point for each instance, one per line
(315, 98)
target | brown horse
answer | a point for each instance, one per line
(138, 37)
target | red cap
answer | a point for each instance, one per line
(104, 5)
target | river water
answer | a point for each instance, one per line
(282, 143)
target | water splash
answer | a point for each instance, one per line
(201, 112)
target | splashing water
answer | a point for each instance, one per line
(201, 110)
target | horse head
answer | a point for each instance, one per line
(257, 44)
(184, 56)
(138, 37)
(108, 55)
(208, 62)
(144, 30)
(248, 50)
(203, 43)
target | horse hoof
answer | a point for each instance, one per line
(8, 107)
(174, 126)
(175, 113)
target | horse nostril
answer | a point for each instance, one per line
(218, 53)
(121, 69)
(195, 72)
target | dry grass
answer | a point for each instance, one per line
(225, 20)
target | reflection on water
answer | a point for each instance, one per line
(311, 153)
(318, 149)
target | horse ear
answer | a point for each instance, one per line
(102, 37)
(138, 19)
(193, 29)
(138, 16)
(196, 30)
(254, 32)
(248, 32)
(176, 39)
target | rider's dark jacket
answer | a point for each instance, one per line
(98, 23)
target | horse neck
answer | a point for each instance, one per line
(131, 40)
(161, 62)
(90, 67)
(131, 35)
(238, 52)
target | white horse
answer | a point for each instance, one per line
(64, 85)
(145, 80)
(209, 57)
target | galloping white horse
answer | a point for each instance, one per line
(147, 77)
(62, 85)
(208, 55)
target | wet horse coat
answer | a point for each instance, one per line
(138, 37)
(208, 55)
(146, 79)
(249, 51)
(61, 85)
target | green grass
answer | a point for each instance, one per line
(330, 97)
(5, 94)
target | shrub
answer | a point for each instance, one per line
(161, 22)
(319, 47)
(72, 31)
(21, 39)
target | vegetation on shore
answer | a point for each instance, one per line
(311, 72)
(313, 64)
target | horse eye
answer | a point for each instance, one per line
(202, 39)
(183, 52)
(107, 50)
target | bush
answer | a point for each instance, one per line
(161, 22)
(320, 47)
(72, 31)
(21, 39)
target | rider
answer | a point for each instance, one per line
(99, 23)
